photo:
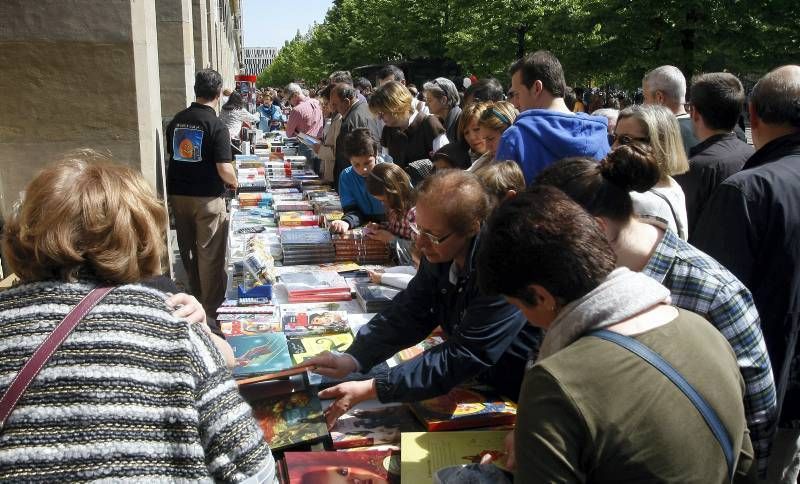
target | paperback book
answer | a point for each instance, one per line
(464, 408)
(373, 467)
(425, 453)
(291, 419)
(263, 353)
(374, 298)
(380, 425)
(304, 348)
(314, 322)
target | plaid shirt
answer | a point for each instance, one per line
(700, 284)
(401, 226)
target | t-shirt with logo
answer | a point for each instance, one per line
(196, 141)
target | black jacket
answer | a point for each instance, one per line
(710, 163)
(752, 226)
(486, 337)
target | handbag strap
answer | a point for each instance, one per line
(678, 225)
(657, 361)
(42, 355)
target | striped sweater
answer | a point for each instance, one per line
(132, 395)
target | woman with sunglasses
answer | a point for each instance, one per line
(487, 339)
(656, 126)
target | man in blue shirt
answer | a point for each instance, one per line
(546, 130)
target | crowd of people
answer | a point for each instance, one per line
(630, 277)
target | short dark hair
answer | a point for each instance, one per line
(391, 70)
(487, 89)
(207, 84)
(603, 188)
(565, 251)
(718, 97)
(234, 102)
(344, 91)
(541, 66)
(776, 97)
(341, 77)
(363, 84)
(570, 98)
(360, 142)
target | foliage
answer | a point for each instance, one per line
(597, 41)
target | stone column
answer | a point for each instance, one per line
(77, 74)
(175, 56)
(200, 29)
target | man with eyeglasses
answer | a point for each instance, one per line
(487, 339)
(546, 130)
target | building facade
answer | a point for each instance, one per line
(256, 59)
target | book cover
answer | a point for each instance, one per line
(373, 467)
(464, 408)
(314, 322)
(310, 346)
(381, 425)
(424, 453)
(264, 353)
(316, 282)
(311, 235)
(248, 326)
(290, 419)
(416, 350)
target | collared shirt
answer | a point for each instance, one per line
(306, 118)
(399, 224)
(700, 284)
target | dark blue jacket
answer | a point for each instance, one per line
(486, 337)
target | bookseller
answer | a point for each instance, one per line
(487, 338)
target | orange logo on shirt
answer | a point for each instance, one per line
(186, 148)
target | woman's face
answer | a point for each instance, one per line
(432, 225)
(491, 138)
(473, 137)
(393, 120)
(629, 128)
(436, 104)
(363, 164)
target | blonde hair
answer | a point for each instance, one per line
(392, 97)
(86, 217)
(499, 177)
(664, 134)
(471, 112)
(498, 116)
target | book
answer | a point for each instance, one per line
(315, 282)
(291, 419)
(464, 408)
(307, 140)
(311, 235)
(424, 453)
(379, 425)
(314, 322)
(248, 325)
(373, 467)
(416, 350)
(263, 353)
(304, 348)
(374, 298)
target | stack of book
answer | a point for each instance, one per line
(374, 298)
(307, 245)
(356, 246)
(317, 286)
(251, 179)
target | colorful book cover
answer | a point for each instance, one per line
(464, 408)
(416, 350)
(381, 425)
(424, 453)
(263, 353)
(315, 322)
(248, 326)
(290, 419)
(373, 467)
(310, 346)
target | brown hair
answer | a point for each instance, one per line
(86, 217)
(664, 135)
(498, 116)
(392, 97)
(500, 177)
(459, 196)
(470, 113)
(389, 180)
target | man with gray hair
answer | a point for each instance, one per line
(442, 98)
(306, 115)
(751, 225)
(355, 114)
(666, 86)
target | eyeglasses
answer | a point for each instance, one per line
(434, 240)
(625, 139)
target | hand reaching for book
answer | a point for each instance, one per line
(334, 365)
(347, 395)
(339, 227)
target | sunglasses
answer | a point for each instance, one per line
(434, 240)
(625, 139)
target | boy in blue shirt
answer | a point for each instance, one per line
(358, 205)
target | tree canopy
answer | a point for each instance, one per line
(598, 41)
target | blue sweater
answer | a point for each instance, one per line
(357, 204)
(540, 137)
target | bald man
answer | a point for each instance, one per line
(752, 226)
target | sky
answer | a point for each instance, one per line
(269, 23)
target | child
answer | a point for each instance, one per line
(502, 180)
(452, 155)
(358, 205)
(392, 186)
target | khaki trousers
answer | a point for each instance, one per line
(201, 224)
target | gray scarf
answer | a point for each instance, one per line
(622, 295)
